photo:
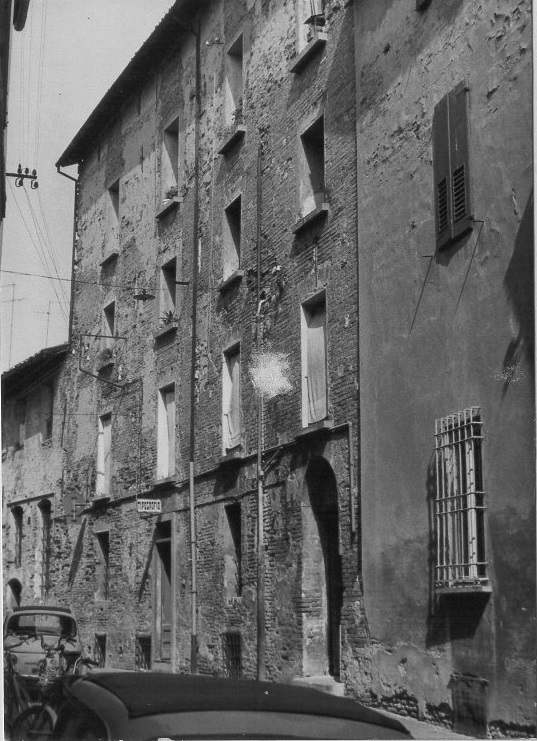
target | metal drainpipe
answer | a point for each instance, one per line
(72, 297)
(195, 253)
(261, 623)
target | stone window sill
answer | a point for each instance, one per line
(167, 329)
(236, 276)
(310, 218)
(233, 456)
(169, 206)
(159, 483)
(465, 589)
(233, 137)
(109, 258)
(325, 425)
(309, 51)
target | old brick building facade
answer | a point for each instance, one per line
(259, 267)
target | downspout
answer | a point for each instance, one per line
(195, 258)
(261, 624)
(73, 255)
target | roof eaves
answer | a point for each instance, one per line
(26, 366)
(137, 70)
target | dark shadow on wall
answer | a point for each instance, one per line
(519, 285)
(77, 553)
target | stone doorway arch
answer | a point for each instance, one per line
(13, 594)
(322, 584)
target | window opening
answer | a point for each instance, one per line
(460, 501)
(169, 167)
(169, 292)
(232, 237)
(104, 456)
(232, 650)
(312, 184)
(311, 18)
(102, 565)
(113, 214)
(142, 657)
(166, 432)
(17, 513)
(231, 428)
(163, 591)
(232, 551)
(234, 83)
(451, 159)
(314, 378)
(46, 527)
(99, 649)
(109, 326)
(48, 411)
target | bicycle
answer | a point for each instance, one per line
(16, 696)
(36, 723)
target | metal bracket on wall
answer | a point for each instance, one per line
(89, 373)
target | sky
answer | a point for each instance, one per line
(62, 63)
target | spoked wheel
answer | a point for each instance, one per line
(33, 724)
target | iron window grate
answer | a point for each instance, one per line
(460, 501)
(232, 650)
(142, 658)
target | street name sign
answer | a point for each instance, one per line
(149, 505)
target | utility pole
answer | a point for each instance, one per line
(11, 327)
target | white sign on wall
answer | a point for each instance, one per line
(149, 505)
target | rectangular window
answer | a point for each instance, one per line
(232, 237)
(109, 326)
(314, 373)
(46, 522)
(311, 18)
(166, 432)
(451, 160)
(102, 563)
(20, 422)
(231, 416)
(460, 501)
(113, 215)
(232, 543)
(168, 305)
(232, 650)
(312, 185)
(17, 513)
(47, 411)
(169, 165)
(104, 456)
(99, 649)
(234, 83)
(142, 657)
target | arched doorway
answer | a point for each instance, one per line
(322, 586)
(13, 594)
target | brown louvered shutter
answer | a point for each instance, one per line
(453, 215)
(459, 160)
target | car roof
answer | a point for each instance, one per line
(154, 693)
(42, 608)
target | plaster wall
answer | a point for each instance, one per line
(442, 331)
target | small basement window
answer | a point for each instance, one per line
(312, 167)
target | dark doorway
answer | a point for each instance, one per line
(163, 591)
(321, 551)
(13, 596)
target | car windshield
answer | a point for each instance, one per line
(36, 624)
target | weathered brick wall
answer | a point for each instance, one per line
(277, 105)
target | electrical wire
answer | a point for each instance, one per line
(42, 42)
(82, 282)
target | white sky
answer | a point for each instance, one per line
(62, 63)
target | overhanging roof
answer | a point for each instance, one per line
(33, 369)
(166, 37)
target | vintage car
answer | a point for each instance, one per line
(28, 629)
(136, 706)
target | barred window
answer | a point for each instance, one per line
(232, 649)
(99, 649)
(142, 658)
(460, 502)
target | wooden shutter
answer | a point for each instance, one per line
(453, 216)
